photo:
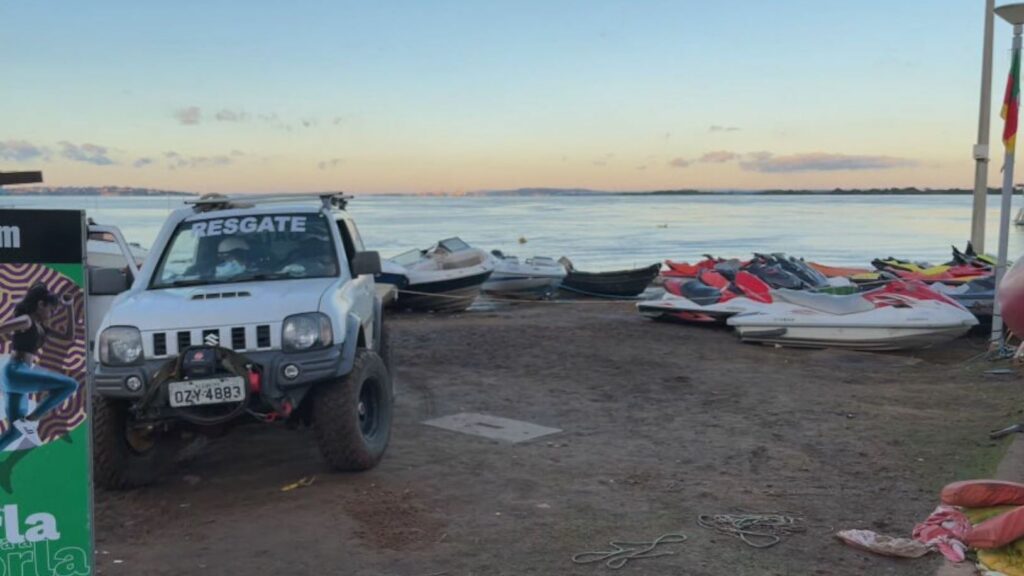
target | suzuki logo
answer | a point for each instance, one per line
(212, 339)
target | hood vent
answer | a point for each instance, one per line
(220, 295)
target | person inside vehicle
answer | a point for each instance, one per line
(232, 258)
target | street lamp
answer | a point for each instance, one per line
(1012, 13)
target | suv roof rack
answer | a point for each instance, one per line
(208, 202)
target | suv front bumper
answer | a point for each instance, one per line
(314, 366)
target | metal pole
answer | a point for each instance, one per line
(981, 148)
(1004, 216)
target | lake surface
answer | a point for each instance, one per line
(622, 231)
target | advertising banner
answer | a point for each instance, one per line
(45, 469)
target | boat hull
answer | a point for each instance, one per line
(521, 286)
(860, 338)
(924, 324)
(449, 295)
(618, 284)
(680, 309)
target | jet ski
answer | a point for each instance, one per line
(687, 270)
(977, 295)
(964, 267)
(536, 277)
(447, 277)
(711, 298)
(897, 316)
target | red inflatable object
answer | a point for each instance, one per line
(983, 494)
(997, 532)
(1011, 297)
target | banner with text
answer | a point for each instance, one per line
(45, 469)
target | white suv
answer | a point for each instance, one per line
(246, 309)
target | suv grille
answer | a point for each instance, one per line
(238, 338)
(160, 344)
(263, 336)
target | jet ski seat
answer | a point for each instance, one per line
(700, 293)
(839, 305)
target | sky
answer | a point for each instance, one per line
(461, 95)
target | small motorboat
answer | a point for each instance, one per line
(614, 284)
(897, 316)
(536, 277)
(447, 277)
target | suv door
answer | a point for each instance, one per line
(364, 291)
(112, 268)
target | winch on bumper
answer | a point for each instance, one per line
(281, 379)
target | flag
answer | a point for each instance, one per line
(1011, 104)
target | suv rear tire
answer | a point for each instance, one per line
(123, 458)
(352, 415)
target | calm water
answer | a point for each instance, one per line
(611, 232)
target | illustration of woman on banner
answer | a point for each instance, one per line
(27, 330)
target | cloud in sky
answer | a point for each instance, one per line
(679, 163)
(330, 164)
(88, 153)
(719, 128)
(22, 151)
(766, 162)
(226, 115)
(189, 116)
(142, 162)
(176, 161)
(719, 157)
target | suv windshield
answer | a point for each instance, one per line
(245, 248)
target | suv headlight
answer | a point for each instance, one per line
(306, 332)
(121, 346)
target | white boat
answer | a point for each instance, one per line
(445, 277)
(895, 317)
(536, 277)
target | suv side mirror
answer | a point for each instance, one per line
(107, 281)
(366, 262)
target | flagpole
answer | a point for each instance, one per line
(1015, 15)
(981, 153)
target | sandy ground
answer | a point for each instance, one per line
(661, 423)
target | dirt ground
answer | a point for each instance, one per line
(661, 423)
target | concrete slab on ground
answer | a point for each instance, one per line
(492, 427)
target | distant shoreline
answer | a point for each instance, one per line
(127, 192)
(98, 191)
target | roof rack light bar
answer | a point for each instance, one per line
(220, 201)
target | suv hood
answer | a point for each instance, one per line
(218, 304)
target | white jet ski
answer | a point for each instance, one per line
(711, 298)
(897, 316)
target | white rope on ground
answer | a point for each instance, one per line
(623, 552)
(756, 530)
(518, 300)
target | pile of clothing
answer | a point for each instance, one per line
(982, 515)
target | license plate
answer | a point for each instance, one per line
(207, 391)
